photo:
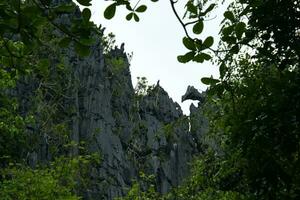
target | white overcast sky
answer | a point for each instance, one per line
(156, 42)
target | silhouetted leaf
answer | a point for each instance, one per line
(227, 30)
(110, 11)
(129, 16)
(210, 8)
(209, 81)
(198, 27)
(240, 28)
(208, 42)
(84, 2)
(86, 14)
(222, 70)
(136, 17)
(229, 15)
(187, 57)
(191, 7)
(128, 7)
(229, 39)
(198, 44)
(206, 56)
(235, 49)
(189, 43)
(141, 8)
(198, 58)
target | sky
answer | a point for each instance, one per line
(156, 41)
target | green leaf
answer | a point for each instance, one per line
(229, 15)
(222, 70)
(216, 90)
(209, 81)
(229, 39)
(235, 49)
(136, 17)
(198, 44)
(63, 43)
(208, 42)
(210, 8)
(227, 30)
(86, 14)
(187, 57)
(82, 50)
(110, 11)
(141, 8)
(200, 58)
(128, 7)
(84, 2)
(206, 56)
(198, 27)
(189, 43)
(129, 16)
(191, 7)
(240, 28)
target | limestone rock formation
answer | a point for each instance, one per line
(149, 134)
(192, 94)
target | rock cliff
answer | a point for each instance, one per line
(133, 134)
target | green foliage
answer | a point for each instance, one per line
(266, 143)
(135, 193)
(27, 37)
(255, 104)
(30, 56)
(60, 180)
(29, 184)
(110, 11)
(117, 64)
(108, 43)
(142, 190)
(142, 88)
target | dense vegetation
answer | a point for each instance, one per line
(253, 108)
(31, 39)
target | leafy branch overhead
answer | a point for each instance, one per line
(196, 12)
(110, 11)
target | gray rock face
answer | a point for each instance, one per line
(149, 134)
(192, 94)
(168, 138)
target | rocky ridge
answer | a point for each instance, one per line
(148, 134)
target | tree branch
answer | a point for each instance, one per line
(177, 16)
